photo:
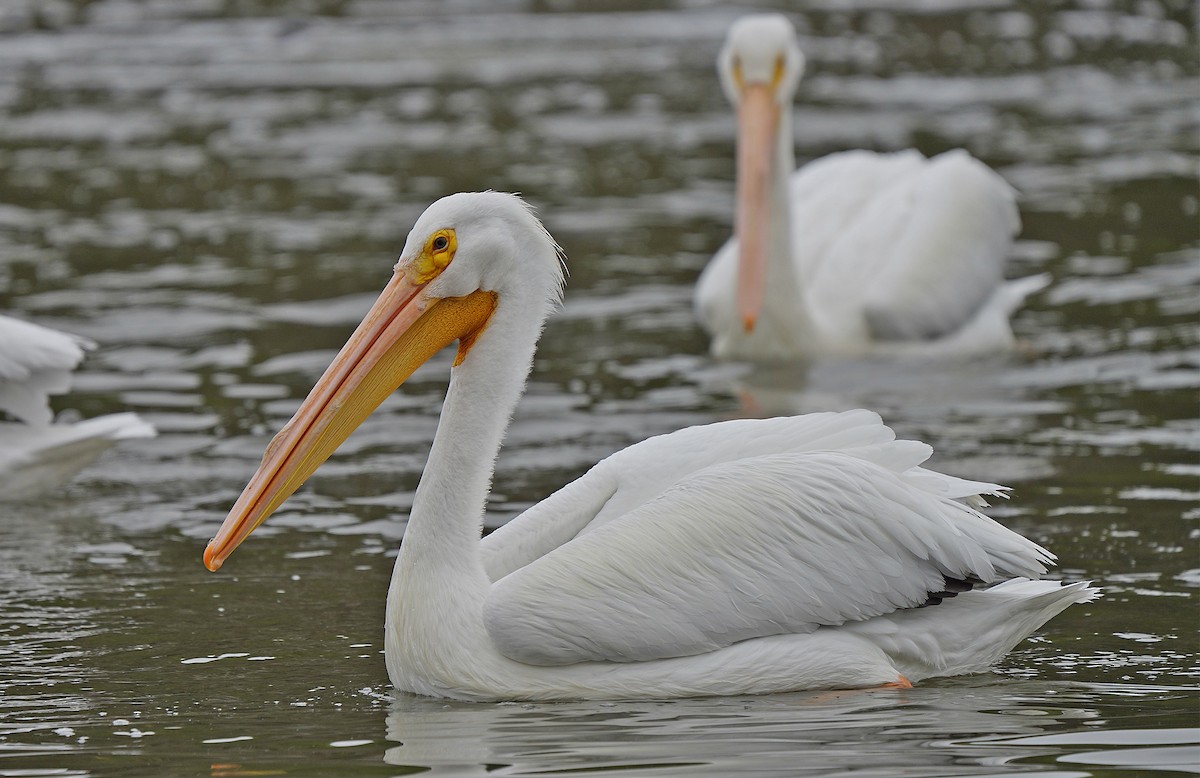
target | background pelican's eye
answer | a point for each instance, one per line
(440, 243)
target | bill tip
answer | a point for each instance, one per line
(211, 560)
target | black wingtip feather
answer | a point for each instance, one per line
(951, 587)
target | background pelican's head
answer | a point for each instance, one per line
(760, 66)
(761, 50)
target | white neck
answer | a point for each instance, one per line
(434, 617)
(446, 520)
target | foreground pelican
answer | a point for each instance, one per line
(856, 252)
(742, 557)
(38, 455)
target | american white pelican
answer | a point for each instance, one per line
(37, 455)
(857, 252)
(741, 557)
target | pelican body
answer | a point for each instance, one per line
(857, 252)
(38, 455)
(742, 557)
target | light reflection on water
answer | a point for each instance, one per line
(217, 194)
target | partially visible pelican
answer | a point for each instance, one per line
(857, 252)
(742, 557)
(37, 455)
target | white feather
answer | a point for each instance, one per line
(35, 363)
(745, 549)
(36, 460)
(39, 455)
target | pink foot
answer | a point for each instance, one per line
(900, 683)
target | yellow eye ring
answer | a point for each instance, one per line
(433, 259)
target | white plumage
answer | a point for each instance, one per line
(857, 252)
(741, 557)
(38, 455)
(35, 362)
(747, 548)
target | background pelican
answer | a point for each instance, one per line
(742, 557)
(36, 454)
(857, 251)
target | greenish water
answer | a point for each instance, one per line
(215, 191)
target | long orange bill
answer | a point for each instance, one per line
(402, 330)
(758, 120)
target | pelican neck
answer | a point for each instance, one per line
(446, 520)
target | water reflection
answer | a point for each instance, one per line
(952, 728)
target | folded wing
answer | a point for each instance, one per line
(635, 475)
(922, 252)
(761, 545)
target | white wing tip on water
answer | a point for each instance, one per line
(36, 460)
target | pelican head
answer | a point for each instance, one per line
(761, 50)
(482, 241)
(467, 257)
(760, 66)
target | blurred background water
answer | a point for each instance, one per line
(215, 190)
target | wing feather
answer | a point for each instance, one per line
(771, 544)
(829, 195)
(640, 473)
(548, 524)
(35, 362)
(947, 258)
(899, 247)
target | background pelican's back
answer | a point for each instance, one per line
(921, 252)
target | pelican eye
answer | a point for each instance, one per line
(433, 259)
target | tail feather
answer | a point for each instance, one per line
(973, 631)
